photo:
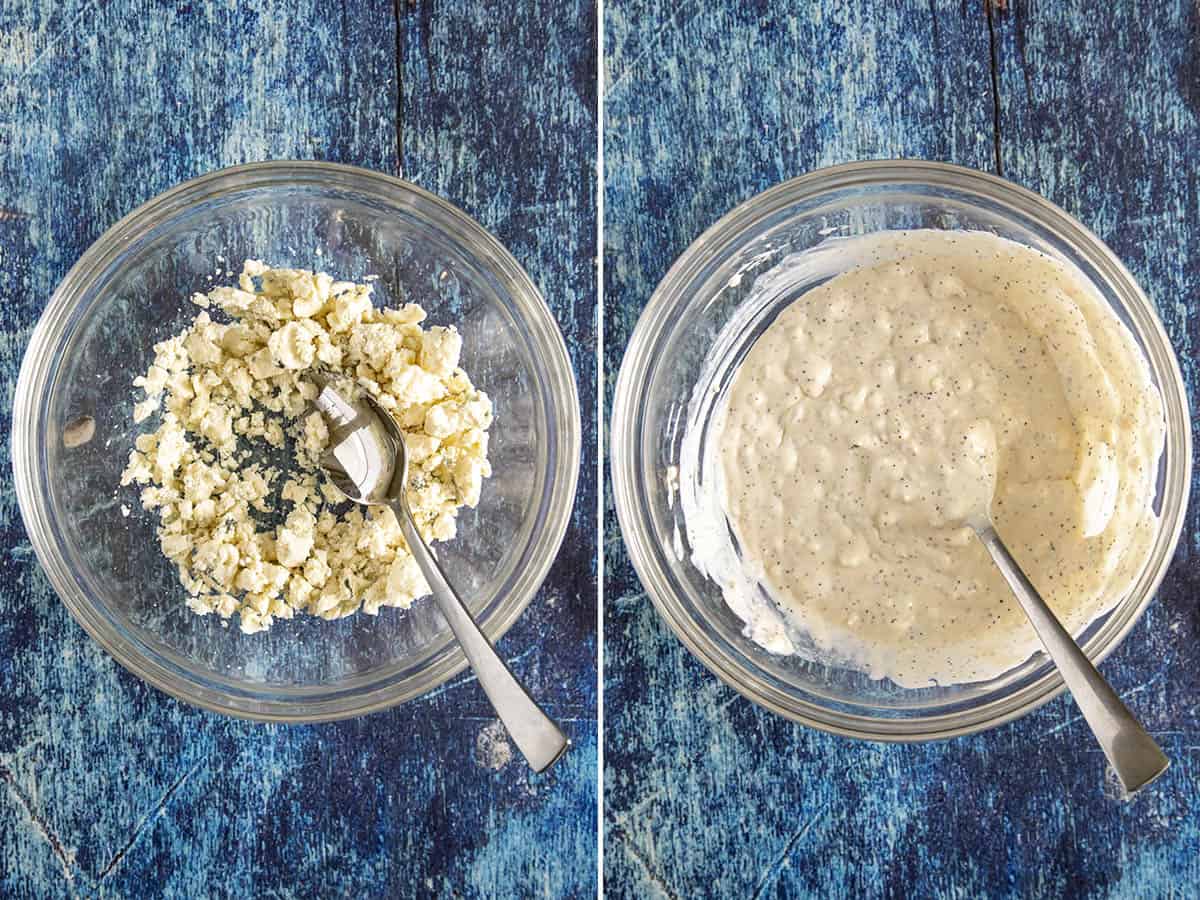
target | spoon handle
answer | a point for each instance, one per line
(1133, 754)
(535, 733)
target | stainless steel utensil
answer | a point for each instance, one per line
(1132, 753)
(367, 462)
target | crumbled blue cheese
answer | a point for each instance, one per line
(221, 387)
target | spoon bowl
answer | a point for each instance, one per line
(366, 451)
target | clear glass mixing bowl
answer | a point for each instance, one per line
(130, 289)
(670, 361)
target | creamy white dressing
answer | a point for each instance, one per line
(882, 409)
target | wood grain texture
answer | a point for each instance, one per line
(109, 788)
(1096, 107)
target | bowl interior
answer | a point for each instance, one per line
(705, 317)
(137, 296)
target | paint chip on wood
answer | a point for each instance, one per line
(492, 749)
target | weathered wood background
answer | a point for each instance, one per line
(1097, 107)
(109, 788)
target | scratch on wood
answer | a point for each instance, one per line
(650, 46)
(66, 860)
(655, 879)
(523, 655)
(146, 819)
(68, 29)
(772, 871)
(7, 759)
(1156, 677)
(1061, 726)
(625, 815)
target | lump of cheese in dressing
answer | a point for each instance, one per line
(227, 390)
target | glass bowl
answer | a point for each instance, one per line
(682, 351)
(130, 290)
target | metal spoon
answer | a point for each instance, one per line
(1132, 753)
(367, 462)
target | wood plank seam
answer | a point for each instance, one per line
(399, 39)
(989, 5)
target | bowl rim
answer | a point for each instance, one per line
(538, 320)
(627, 447)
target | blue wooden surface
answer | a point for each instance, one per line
(109, 788)
(1094, 105)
